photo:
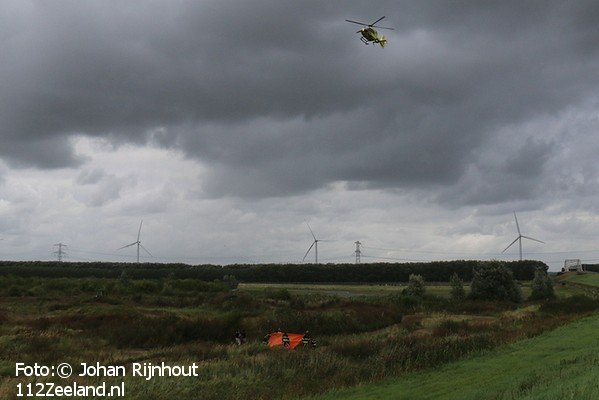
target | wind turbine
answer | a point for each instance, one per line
(519, 238)
(138, 243)
(314, 244)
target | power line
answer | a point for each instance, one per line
(476, 254)
(395, 258)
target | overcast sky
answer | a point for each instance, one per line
(227, 125)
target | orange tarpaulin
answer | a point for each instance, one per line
(276, 339)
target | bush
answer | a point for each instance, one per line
(231, 281)
(14, 291)
(406, 303)
(571, 305)
(494, 282)
(457, 288)
(416, 286)
(450, 327)
(542, 286)
(277, 294)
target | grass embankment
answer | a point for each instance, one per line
(591, 279)
(561, 364)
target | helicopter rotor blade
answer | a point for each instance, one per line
(378, 20)
(382, 27)
(356, 22)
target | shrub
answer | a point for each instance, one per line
(277, 294)
(571, 305)
(542, 286)
(406, 303)
(494, 282)
(124, 283)
(451, 327)
(457, 288)
(231, 281)
(14, 291)
(415, 286)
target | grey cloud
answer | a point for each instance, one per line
(88, 177)
(502, 174)
(43, 152)
(529, 159)
(96, 191)
(281, 98)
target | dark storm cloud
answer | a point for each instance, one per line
(510, 176)
(278, 98)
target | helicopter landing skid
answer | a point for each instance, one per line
(364, 40)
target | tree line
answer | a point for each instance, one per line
(437, 271)
(591, 267)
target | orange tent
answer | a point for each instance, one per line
(276, 339)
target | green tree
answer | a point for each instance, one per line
(231, 281)
(542, 286)
(124, 282)
(457, 288)
(416, 286)
(494, 282)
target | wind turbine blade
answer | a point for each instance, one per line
(146, 250)
(311, 230)
(139, 232)
(129, 245)
(517, 225)
(536, 240)
(378, 20)
(309, 248)
(515, 240)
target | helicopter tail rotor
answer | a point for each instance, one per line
(382, 41)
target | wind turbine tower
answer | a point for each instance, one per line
(358, 251)
(519, 238)
(60, 253)
(138, 243)
(314, 244)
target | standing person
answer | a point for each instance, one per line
(306, 339)
(286, 341)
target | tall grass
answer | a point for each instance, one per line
(556, 365)
(359, 340)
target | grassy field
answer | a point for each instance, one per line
(365, 333)
(561, 364)
(355, 290)
(586, 279)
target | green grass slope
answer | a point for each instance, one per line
(586, 279)
(562, 364)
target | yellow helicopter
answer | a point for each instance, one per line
(369, 34)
